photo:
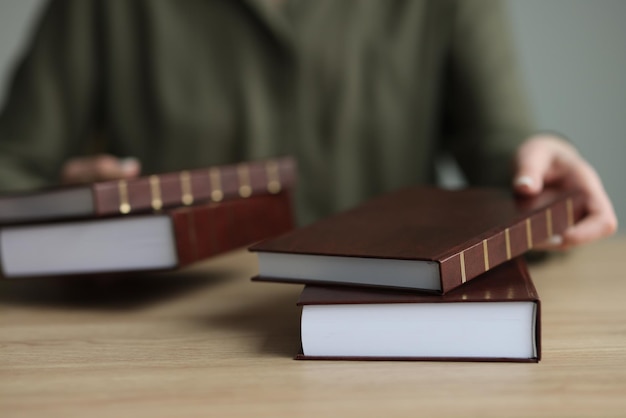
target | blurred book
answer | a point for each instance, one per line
(162, 240)
(150, 193)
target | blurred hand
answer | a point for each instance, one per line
(549, 160)
(99, 167)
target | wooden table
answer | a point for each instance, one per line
(208, 342)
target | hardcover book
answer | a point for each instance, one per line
(147, 193)
(418, 238)
(159, 241)
(494, 318)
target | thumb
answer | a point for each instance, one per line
(98, 168)
(532, 162)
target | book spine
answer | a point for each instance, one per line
(214, 184)
(510, 242)
(211, 229)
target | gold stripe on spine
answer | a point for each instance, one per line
(507, 240)
(216, 186)
(549, 222)
(529, 233)
(462, 257)
(570, 212)
(123, 193)
(244, 181)
(486, 254)
(155, 192)
(273, 180)
(510, 293)
(185, 188)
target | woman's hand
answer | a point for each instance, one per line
(98, 168)
(547, 160)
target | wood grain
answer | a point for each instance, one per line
(208, 342)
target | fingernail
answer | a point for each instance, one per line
(523, 181)
(555, 240)
(129, 165)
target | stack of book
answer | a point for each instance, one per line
(421, 273)
(157, 222)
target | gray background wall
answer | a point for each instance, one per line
(573, 55)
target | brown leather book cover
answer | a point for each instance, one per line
(206, 230)
(148, 193)
(465, 232)
(163, 240)
(509, 282)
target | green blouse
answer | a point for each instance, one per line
(366, 94)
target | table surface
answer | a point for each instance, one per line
(208, 342)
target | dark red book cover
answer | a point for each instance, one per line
(163, 240)
(215, 184)
(509, 282)
(206, 230)
(466, 232)
(150, 192)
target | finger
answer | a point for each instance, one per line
(89, 169)
(555, 242)
(533, 161)
(591, 228)
(600, 221)
(131, 167)
(98, 168)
